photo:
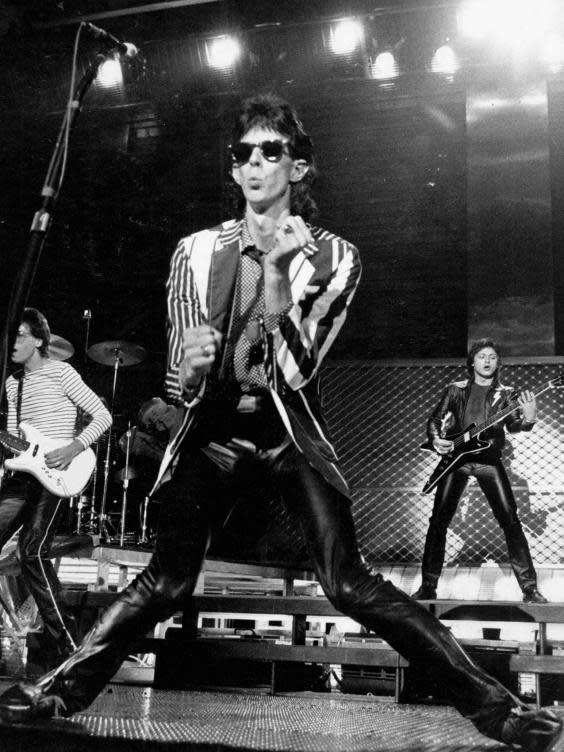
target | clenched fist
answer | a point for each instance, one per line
(200, 345)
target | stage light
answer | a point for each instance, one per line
(552, 588)
(346, 37)
(445, 61)
(475, 19)
(384, 67)
(467, 587)
(518, 24)
(553, 53)
(222, 52)
(110, 74)
(507, 589)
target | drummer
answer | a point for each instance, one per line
(157, 423)
(159, 419)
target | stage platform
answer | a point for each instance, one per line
(141, 719)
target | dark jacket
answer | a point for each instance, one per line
(448, 416)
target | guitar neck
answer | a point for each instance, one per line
(495, 418)
(13, 443)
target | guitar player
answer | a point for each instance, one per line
(45, 393)
(463, 403)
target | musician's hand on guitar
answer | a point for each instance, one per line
(60, 458)
(528, 404)
(442, 446)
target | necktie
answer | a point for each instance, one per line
(246, 331)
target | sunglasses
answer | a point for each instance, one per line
(272, 151)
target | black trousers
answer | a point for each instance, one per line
(195, 503)
(24, 502)
(493, 481)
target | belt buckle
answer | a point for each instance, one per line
(248, 403)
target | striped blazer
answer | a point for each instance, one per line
(201, 288)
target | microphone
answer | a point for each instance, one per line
(125, 48)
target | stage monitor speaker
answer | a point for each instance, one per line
(175, 671)
(363, 680)
(495, 661)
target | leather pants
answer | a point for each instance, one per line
(24, 502)
(194, 504)
(493, 481)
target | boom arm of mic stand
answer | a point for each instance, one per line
(41, 222)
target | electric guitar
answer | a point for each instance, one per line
(30, 458)
(469, 442)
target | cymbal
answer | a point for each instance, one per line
(59, 348)
(126, 353)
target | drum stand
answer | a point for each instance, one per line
(114, 353)
(80, 506)
(103, 527)
(125, 486)
(92, 520)
(144, 540)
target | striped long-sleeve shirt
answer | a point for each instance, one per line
(50, 398)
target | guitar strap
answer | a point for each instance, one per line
(19, 401)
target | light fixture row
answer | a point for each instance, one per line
(522, 28)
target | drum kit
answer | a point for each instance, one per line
(93, 515)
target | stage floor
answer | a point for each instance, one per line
(142, 719)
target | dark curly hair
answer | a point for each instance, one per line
(475, 348)
(38, 327)
(272, 112)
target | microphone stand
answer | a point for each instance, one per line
(87, 317)
(42, 221)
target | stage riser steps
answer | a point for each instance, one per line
(537, 664)
(551, 613)
(264, 650)
(300, 607)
